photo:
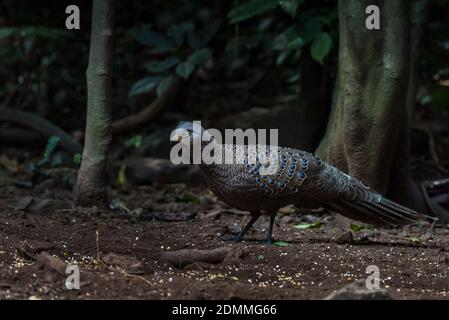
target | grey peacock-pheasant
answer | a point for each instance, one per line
(301, 179)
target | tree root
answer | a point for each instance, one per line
(142, 117)
(40, 125)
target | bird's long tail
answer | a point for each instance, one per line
(383, 212)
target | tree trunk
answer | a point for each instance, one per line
(369, 128)
(91, 184)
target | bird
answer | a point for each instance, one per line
(300, 178)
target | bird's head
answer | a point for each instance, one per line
(188, 132)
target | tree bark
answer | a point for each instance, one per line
(369, 127)
(91, 184)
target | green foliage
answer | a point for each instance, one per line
(145, 85)
(187, 50)
(152, 39)
(33, 31)
(161, 65)
(356, 228)
(52, 143)
(77, 158)
(250, 9)
(188, 198)
(281, 244)
(414, 239)
(304, 28)
(321, 46)
(185, 69)
(134, 142)
(290, 6)
(200, 57)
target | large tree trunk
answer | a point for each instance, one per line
(369, 127)
(91, 184)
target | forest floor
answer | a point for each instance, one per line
(120, 253)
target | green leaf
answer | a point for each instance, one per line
(290, 6)
(321, 47)
(290, 39)
(189, 198)
(250, 9)
(177, 32)
(151, 38)
(135, 142)
(309, 226)
(200, 57)
(185, 69)
(310, 31)
(144, 85)
(356, 228)
(77, 158)
(44, 32)
(52, 143)
(161, 65)
(34, 31)
(193, 40)
(281, 244)
(164, 85)
(281, 57)
(8, 32)
(415, 239)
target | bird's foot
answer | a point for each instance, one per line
(269, 241)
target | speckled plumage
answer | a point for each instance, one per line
(304, 180)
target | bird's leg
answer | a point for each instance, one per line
(270, 228)
(254, 216)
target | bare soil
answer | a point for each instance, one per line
(413, 262)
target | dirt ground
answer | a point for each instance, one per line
(413, 262)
